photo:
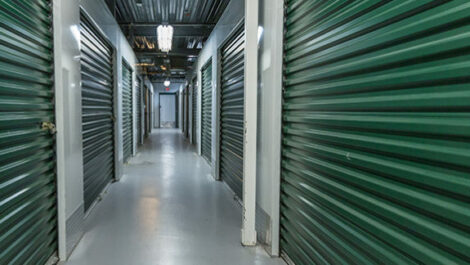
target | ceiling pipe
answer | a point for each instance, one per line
(173, 24)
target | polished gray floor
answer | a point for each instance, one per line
(166, 210)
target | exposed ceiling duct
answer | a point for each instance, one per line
(192, 22)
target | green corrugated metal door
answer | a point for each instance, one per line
(127, 110)
(376, 132)
(206, 121)
(139, 110)
(232, 111)
(97, 110)
(194, 111)
(28, 210)
(186, 112)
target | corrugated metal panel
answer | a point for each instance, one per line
(376, 133)
(28, 211)
(127, 110)
(139, 111)
(186, 112)
(97, 110)
(206, 121)
(232, 111)
(194, 116)
(148, 111)
(172, 11)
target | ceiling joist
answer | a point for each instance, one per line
(174, 52)
(193, 21)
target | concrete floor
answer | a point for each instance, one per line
(166, 210)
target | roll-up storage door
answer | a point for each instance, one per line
(139, 111)
(97, 110)
(232, 111)
(148, 109)
(194, 115)
(376, 132)
(206, 121)
(28, 208)
(127, 110)
(186, 112)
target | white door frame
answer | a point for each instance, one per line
(251, 120)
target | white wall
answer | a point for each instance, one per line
(69, 125)
(269, 123)
(269, 109)
(68, 109)
(234, 13)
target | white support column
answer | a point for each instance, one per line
(277, 61)
(68, 110)
(251, 116)
(60, 137)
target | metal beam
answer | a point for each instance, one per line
(175, 79)
(150, 30)
(174, 25)
(174, 52)
(193, 35)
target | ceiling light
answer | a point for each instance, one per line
(165, 37)
(167, 83)
(138, 2)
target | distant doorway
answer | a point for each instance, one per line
(168, 110)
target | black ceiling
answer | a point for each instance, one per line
(193, 21)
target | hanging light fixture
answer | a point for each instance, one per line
(167, 83)
(165, 37)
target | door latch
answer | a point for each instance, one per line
(49, 126)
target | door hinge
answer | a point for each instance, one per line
(47, 125)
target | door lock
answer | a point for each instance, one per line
(47, 125)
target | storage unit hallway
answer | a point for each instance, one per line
(166, 209)
(235, 132)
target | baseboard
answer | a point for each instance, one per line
(75, 228)
(263, 227)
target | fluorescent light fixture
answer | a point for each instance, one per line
(165, 37)
(139, 3)
(167, 83)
